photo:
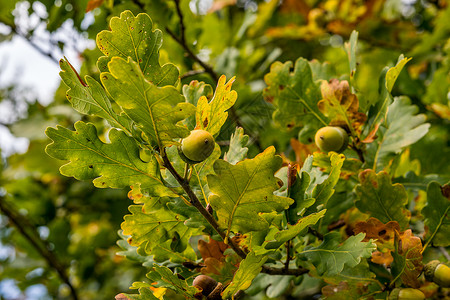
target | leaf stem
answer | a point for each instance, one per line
(283, 271)
(30, 233)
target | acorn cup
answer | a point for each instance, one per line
(438, 273)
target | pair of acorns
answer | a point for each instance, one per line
(199, 145)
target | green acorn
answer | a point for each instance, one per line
(331, 138)
(406, 294)
(197, 147)
(438, 273)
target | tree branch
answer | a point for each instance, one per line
(283, 271)
(198, 205)
(208, 69)
(32, 44)
(30, 233)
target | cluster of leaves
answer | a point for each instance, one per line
(329, 208)
(255, 224)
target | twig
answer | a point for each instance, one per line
(210, 219)
(315, 233)
(198, 205)
(288, 255)
(192, 73)
(35, 46)
(208, 68)
(22, 224)
(181, 21)
(283, 271)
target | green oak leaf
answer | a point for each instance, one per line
(212, 115)
(90, 98)
(145, 293)
(350, 48)
(436, 213)
(387, 80)
(193, 92)
(359, 273)
(294, 94)
(331, 256)
(381, 199)
(323, 191)
(294, 230)
(156, 110)
(160, 232)
(130, 252)
(133, 37)
(407, 265)
(249, 268)
(166, 278)
(241, 192)
(402, 128)
(115, 164)
(237, 151)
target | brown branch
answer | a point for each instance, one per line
(192, 73)
(30, 233)
(181, 21)
(208, 69)
(198, 205)
(283, 271)
(32, 44)
(210, 219)
(288, 256)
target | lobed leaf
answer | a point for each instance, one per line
(243, 191)
(407, 263)
(237, 151)
(160, 232)
(249, 268)
(403, 128)
(340, 105)
(133, 37)
(330, 257)
(436, 214)
(115, 165)
(381, 199)
(156, 110)
(90, 98)
(294, 230)
(350, 48)
(388, 76)
(383, 234)
(323, 191)
(294, 94)
(193, 92)
(212, 115)
(166, 278)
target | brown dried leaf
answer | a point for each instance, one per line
(410, 247)
(213, 249)
(93, 4)
(340, 104)
(383, 234)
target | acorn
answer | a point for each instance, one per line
(210, 287)
(197, 147)
(438, 273)
(331, 138)
(406, 294)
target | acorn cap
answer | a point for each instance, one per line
(429, 268)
